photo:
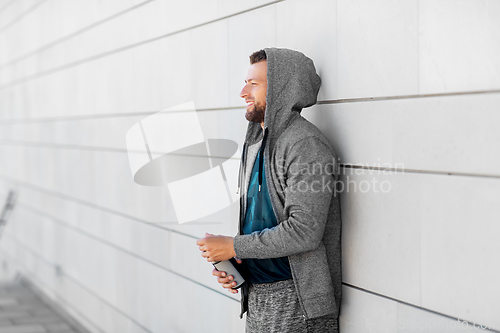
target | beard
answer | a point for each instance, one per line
(257, 114)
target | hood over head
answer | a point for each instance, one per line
(292, 84)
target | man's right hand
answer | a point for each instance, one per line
(226, 281)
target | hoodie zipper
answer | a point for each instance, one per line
(261, 159)
(242, 159)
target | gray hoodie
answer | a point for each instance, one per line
(301, 172)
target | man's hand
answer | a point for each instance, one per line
(216, 248)
(226, 281)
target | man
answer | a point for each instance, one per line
(288, 242)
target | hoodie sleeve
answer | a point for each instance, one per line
(310, 184)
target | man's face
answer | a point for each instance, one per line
(254, 92)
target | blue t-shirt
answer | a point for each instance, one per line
(259, 216)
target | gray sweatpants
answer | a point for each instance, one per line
(274, 308)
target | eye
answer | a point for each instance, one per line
(254, 84)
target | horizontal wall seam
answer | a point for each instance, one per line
(388, 98)
(120, 49)
(6, 122)
(402, 171)
(345, 165)
(413, 305)
(100, 149)
(43, 260)
(104, 209)
(116, 247)
(20, 17)
(70, 36)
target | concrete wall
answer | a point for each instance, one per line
(409, 99)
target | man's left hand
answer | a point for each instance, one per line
(216, 247)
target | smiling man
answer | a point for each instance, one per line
(289, 239)
(255, 91)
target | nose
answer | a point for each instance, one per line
(244, 92)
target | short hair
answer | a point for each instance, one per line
(258, 56)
